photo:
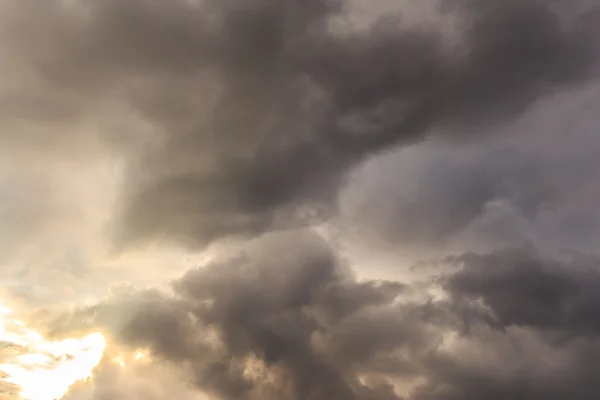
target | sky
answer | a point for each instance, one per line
(299, 200)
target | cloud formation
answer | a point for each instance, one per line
(252, 327)
(522, 288)
(531, 328)
(511, 324)
(261, 108)
(245, 119)
(532, 180)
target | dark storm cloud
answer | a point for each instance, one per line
(317, 104)
(532, 329)
(542, 374)
(262, 105)
(258, 109)
(524, 288)
(300, 326)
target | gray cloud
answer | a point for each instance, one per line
(532, 334)
(25, 206)
(301, 326)
(262, 106)
(523, 288)
(429, 195)
(244, 118)
(515, 365)
(296, 327)
(532, 180)
(329, 102)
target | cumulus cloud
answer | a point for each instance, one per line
(511, 323)
(254, 327)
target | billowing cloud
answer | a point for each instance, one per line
(258, 109)
(255, 327)
(523, 288)
(532, 180)
(320, 103)
(531, 328)
(192, 121)
(510, 323)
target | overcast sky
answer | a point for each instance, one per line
(306, 199)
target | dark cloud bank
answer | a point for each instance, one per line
(261, 109)
(513, 324)
(262, 106)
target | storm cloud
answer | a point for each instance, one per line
(247, 119)
(532, 180)
(257, 110)
(523, 288)
(511, 324)
(531, 328)
(252, 327)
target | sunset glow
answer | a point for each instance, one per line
(45, 370)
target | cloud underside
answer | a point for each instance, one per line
(257, 110)
(246, 119)
(511, 324)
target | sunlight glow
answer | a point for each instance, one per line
(45, 370)
(120, 361)
(124, 359)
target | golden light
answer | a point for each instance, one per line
(124, 359)
(45, 370)
(119, 360)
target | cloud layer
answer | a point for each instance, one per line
(511, 324)
(259, 109)
(248, 120)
